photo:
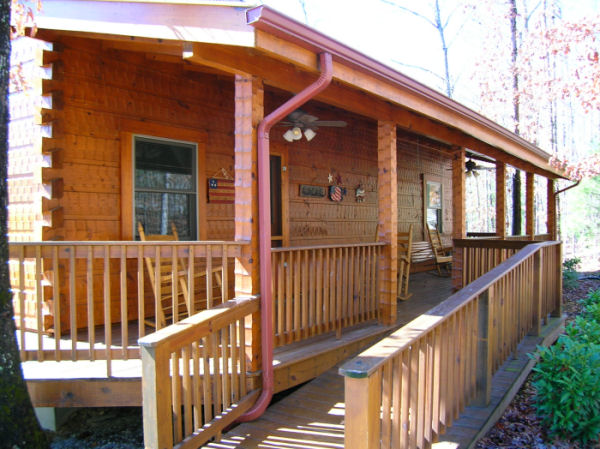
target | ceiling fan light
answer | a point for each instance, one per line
(296, 133)
(289, 135)
(309, 134)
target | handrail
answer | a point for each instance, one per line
(309, 247)
(378, 353)
(194, 380)
(410, 386)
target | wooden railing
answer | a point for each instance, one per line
(318, 289)
(405, 390)
(194, 376)
(93, 300)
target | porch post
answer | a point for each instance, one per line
(551, 210)
(387, 179)
(249, 111)
(529, 205)
(501, 199)
(459, 225)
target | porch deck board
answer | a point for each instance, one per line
(313, 415)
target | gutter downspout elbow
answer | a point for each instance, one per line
(264, 231)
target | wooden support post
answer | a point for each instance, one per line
(537, 293)
(557, 312)
(156, 391)
(249, 111)
(551, 199)
(387, 180)
(459, 224)
(529, 206)
(501, 199)
(363, 405)
(483, 386)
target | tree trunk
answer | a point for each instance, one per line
(19, 427)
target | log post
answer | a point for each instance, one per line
(156, 391)
(483, 386)
(459, 224)
(530, 206)
(387, 180)
(501, 199)
(537, 293)
(557, 312)
(551, 199)
(249, 111)
(363, 405)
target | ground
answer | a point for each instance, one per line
(121, 428)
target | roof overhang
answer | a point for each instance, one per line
(264, 32)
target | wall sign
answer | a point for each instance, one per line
(221, 191)
(336, 193)
(312, 191)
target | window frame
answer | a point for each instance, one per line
(133, 128)
(194, 191)
(427, 179)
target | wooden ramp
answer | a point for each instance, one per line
(311, 417)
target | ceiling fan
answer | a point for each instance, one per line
(301, 122)
(471, 168)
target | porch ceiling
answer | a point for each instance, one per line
(283, 53)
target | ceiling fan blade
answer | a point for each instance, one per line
(334, 123)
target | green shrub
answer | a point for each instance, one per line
(570, 272)
(568, 392)
(592, 298)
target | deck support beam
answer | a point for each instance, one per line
(501, 199)
(483, 386)
(530, 205)
(459, 225)
(249, 111)
(551, 210)
(387, 180)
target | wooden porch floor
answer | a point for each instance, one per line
(313, 416)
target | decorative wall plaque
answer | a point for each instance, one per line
(312, 191)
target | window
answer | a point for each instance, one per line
(165, 186)
(432, 203)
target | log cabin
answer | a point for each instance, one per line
(278, 165)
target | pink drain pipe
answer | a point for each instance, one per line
(264, 230)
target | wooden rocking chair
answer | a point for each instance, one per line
(163, 290)
(404, 255)
(441, 254)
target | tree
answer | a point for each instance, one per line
(19, 427)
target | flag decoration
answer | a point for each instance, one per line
(336, 193)
(221, 191)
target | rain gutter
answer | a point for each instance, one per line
(264, 229)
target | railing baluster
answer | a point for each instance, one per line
(123, 297)
(72, 303)
(22, 311)
(39, 301)
(90, 302)
(141, 293)
(225, 274)
(56, 302)
(107, 320)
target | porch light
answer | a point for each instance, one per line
(309, 134)
(293, 134)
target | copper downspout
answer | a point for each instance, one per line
(264, 229)
(566, 188)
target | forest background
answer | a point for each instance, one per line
(530, 65)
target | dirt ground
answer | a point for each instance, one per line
(121, 428)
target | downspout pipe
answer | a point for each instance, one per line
(264, 229)
(558, 192)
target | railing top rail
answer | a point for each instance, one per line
(495, 243)
(130, 243)
(369, 360)
(201, 324)
(344, 245)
